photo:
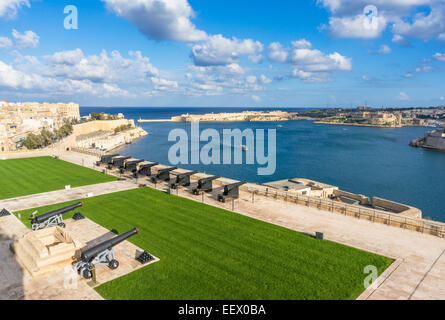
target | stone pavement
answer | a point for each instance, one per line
(43, 199)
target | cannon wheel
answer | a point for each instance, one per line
(113, 265)
(87, 274)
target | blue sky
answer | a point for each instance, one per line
(312, 53)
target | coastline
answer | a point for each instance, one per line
(359, 125)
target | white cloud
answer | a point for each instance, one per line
(159, 19)
(215, 80)
(28, 39)
(442, 98)
(220, 51)
(383, 49)
(164, 84)
(423, 26)
(265, 80)
(403, 96)
(359, 26)
(424, 68)
(256, 98)
(251, 79)
(5, 42)
(301, 44)
(277, 53)
(439, 56)
(9, 8)
(101, 68)
(441, 37)
(350, 18)
(401, 41)
(71, 57)
(70, 73)
(309, 64)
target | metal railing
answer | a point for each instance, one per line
(357, 211)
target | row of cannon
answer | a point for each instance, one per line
(140, 167)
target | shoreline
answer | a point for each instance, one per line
(360, 125)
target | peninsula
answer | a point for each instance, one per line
(360, 116)
(253, 116)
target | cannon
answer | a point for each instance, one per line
(205, 185)
(130, 165)
(144, 168)
(53, 218)
(101, 254)
(163, 175)
(182, 179)
(106, 159)
(230, 191)
(118, 161)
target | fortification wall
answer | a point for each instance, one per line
(361, 198)
(404, 210)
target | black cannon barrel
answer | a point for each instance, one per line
(133, 162)
(161, 171)
(146, 168)
(42, 218)
(184, 178)
(107, 158)
(232, 186)
(208, 179)
(186, 174)
(149, 165)
(119, 161)
(89, 254)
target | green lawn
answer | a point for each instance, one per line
(20, 177)
(209, 253)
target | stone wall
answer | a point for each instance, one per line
(403, 209)
(361, 198)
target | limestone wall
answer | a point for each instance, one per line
(95, 126)
(361, 198)
(403, 209)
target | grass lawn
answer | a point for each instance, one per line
(209, 253)
(20, 177)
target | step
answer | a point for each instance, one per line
(24, 258)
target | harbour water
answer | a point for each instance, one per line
(365, 160)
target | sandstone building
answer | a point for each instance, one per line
(17, 120)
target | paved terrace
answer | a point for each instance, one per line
(418, 274)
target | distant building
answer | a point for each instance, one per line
(17, 120)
